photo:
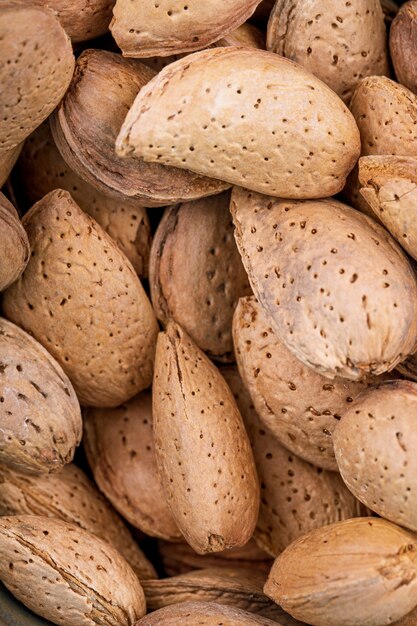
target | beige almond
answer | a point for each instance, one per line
(120, 450)
(67, 575)
(360, 571)
(14, 244)
(7, 160)
(203, 614)
(331, 39)
(37, 65)
(81, 298)
(340, 293)
(403, 46)
(202, 448)
(86, 124)
(40, 416)
(71, 497)
(226, 113)
(175, 27)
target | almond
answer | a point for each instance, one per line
(359, 571)
(71, 497)
(40, 415)
(14, 244)
(7, 160)
(225, 113)
(203, 613)
(202, 449)
(67, 575)
(81, 298)
(120, 450)
(402, 41)
(338, 290)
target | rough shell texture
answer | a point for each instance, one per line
(403, 45)
(225, 112)
(7, 160)
(41, 168)
(339, 291)
(71, 497)
(120, 450)
(37, 65)
(39, 412)
(386, 114)
(203, 614)
(295, 496)
(360, 571)
(299, 407)
(67, 575)
(14, 244)
(331, 39)
(86, 125)
(196, 274)
(374, 446)
(202, 449)
(81, 298)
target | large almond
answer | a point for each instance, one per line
(14, 244)
(202, 448)
(226, 113)
(204, 614)
(339, 291)
(81, 298)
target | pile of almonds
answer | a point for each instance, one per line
(208, 330)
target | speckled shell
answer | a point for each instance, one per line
(196, 274)
(39, 411)
(80, 297)
(403, 47)
(14, 244)
(203, 614)
(226, 113)
(360, 571)
(331, 39)
(339, 291)
(37, 65)
(41, 168)
(120, 450)
(67, 575)
(86, 124)
(173, 27)
(71, 497)
(202, 448)
(7, 160)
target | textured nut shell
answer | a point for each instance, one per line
(202, 449)
(360, 571)
(225, 112)
(386, 114)
(86, 124)
(120, 450)
(203, 614)
(351, 194)
(7, 160)
(37, 67)
(331, 39)
(295, 496)
(81, 298)
(374, 446)
(403, 45)
(41, 168)
(196, 274)
(299, 407)
(67, 575)
(39, 411)
(339, 291)
(14, 244)
(71, 497)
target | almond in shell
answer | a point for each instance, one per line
(14, 244)
(403, 47)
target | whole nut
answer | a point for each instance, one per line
(14, 244)
(403, 45)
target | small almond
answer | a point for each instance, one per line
(14, 244)
(402, 38)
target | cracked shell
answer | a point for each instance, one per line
(360, 571)
(340, 293)
(67, 575)
(80, 293)
(14, 244)
(402, 43)
(204, 614)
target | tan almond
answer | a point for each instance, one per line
(225, 112)
(40, 415)
(403, 47)
(176, 28)
(331, 39)
(7, 160)
(360, 571)
(71, 497)
(86, 124)
(37, 65)
(202, 448)
(14, 244)
(121, 453)
(67, 575)
(82, 299)
(340, 293)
